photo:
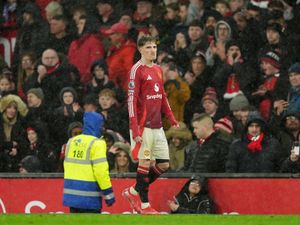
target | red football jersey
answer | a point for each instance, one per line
(146, 98)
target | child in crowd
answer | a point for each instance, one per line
(116, 118)
(68, 112)
(99, 78)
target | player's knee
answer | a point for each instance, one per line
(163, 164)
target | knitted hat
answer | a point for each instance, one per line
(273, 58)
(210, 94)
(239, 102)
(38, 92)
(255, 117)
(295, 68)
(224, 124)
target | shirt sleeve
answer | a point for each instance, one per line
(100, 165)
(133, 94)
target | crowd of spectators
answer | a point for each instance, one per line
(230, 67)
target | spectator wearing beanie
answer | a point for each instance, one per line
(292, 103)
(256, 151)
(224, 124)
(234, 76)
(240, 109)
(37, 110)
(277, 41)
(210, 104)
(272, 84)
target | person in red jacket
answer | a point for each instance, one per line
(120, 56)
(146, 101)
(86, 49)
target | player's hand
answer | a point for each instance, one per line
(138, 139)
(176, 125)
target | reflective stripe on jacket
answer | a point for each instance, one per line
(86, 172)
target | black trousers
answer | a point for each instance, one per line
(77, 210)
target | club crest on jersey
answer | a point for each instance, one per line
(131, 84)
(156, 87)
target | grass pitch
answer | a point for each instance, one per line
(118, 219)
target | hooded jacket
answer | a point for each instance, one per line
(198, 204)
(86, 176)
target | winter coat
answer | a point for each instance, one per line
(289, 166)
(241, 160)
(119, 61)
(177, 152)
(83, 52)
(209, 157)
(10, 163)
(178, 93)
(31, 37)
(197, 90)
(43, 150)
(294, 100)
(199, 204)
(65, 75)
(117, 120)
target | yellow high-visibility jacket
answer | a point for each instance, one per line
(86, 173)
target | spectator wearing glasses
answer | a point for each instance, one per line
(192, 198)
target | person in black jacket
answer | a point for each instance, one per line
(256, 151)
(208, 153)
(192, 198)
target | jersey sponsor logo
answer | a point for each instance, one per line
(131, 84)
(156, 87)
(149, 77)
(157, 96)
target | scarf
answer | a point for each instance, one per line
(51, 69)
(255, 143)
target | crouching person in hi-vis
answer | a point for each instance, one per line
(86, 174)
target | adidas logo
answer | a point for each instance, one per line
(149, 77)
